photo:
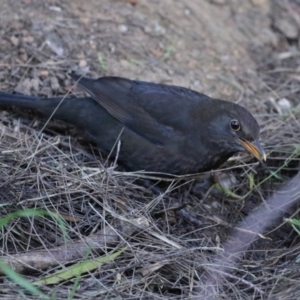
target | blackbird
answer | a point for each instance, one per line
(161, 128)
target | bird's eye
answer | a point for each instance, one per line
(235, 125)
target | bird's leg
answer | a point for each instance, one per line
(202, 187)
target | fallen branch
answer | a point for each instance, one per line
(43, 259)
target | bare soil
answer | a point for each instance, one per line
(243, 51)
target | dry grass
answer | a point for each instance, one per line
(170, 257)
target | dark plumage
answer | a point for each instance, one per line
(162, 128)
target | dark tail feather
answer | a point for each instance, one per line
(20, 100)
(44, 105)
(84, 113)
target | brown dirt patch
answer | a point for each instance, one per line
(245, 51)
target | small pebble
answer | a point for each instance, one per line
(187, 12)
(288, 27)
(14, 40)
(35, 84)
(27, 39)
(284, 104)
(54, 84)
(82, 63)
(147, 29)
(84, 20)
(44, 73)
(112, 47)
(55, 8)
(123, 28)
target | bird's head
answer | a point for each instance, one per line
(237, 130)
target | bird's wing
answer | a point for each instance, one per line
(159, 113)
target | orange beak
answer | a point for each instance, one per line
(255, 149)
